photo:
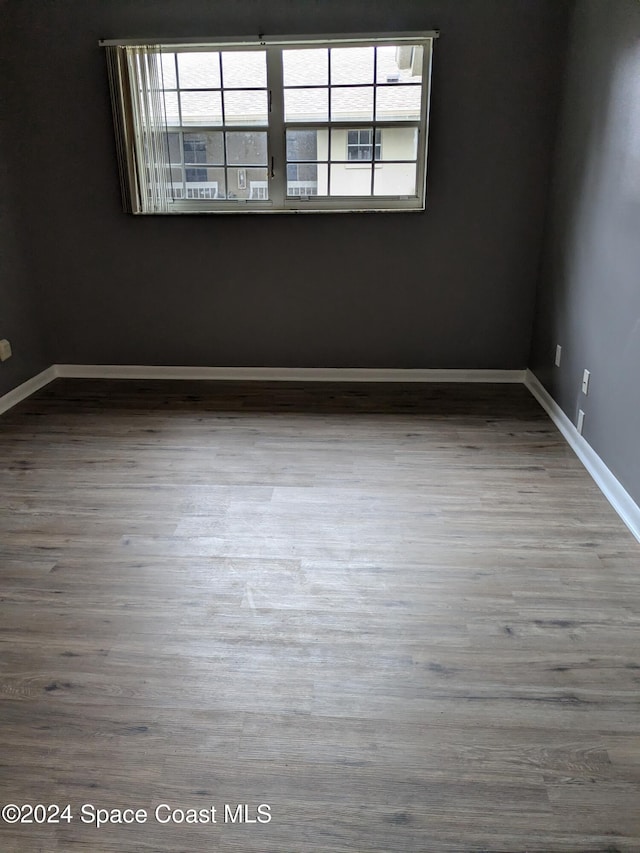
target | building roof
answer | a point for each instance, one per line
(344, 75)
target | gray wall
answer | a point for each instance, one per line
(589, 300)
(19, 321)
(453, 287)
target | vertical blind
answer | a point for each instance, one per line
(135, 77)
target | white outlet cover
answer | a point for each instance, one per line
(5, 350)
(558, 355)
(585, 382)
(580, 423)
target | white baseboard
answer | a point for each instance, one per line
(286, 374)
(608, 484)
(260, 374)
(21, 392)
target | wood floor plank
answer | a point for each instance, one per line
(402, 616)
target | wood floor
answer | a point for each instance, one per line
(402, 617)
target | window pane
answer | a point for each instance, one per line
(349, 179)
(171, 108)
(175, 155)
(398, 103)
(198, 70)
(307, 145)
(176, 189)
(204, 183)
(242, 107)
(247, 148)
(243, 69)
(395, 179)
(302, 180)
(352, 104)
(399, 64)
(323, 179)
(201, 107)
(168, 65)
(302, 171)
(352, 65)
(203, 148)
(306, 105)
(309, 67)
(248, 183)
(339, 144)
(398, 143)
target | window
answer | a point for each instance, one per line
(289, 125)
(359, 144)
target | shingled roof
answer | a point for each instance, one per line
(199, 73)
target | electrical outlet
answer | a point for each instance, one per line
(580, 423)
(585, 382)
(558, 355)
(5, 350)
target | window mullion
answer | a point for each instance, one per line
(276, 142)
(375, 116)
(330, 120)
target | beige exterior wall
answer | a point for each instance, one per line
(390, 178)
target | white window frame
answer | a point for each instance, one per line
(128, 144)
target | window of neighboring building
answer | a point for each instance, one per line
(360, 144)
(235, 127)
